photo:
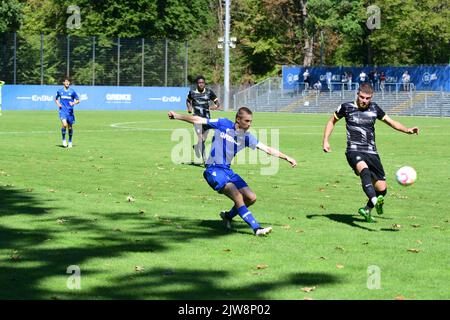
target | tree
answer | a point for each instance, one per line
(10, 15)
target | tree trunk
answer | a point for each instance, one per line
(309, 51)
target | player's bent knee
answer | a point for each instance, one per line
(251, 199)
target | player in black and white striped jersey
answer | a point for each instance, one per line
(361, 153)
(198, 102)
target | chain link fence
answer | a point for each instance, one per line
(43, 59)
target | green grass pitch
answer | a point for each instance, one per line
(61, 207)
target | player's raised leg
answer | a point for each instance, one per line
(381, 191)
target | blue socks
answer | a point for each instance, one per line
(248, 217)
(70, 134)
(63, 132)
(232, 213)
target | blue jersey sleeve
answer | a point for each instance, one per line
(251, 141)
(57, 95)
(75, 96)
(221, 123)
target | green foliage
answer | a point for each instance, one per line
(10, 15)
(270, 33)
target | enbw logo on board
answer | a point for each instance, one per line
(171, 99)
(43, 97)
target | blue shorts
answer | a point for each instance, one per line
(218, 177)
(70, 118)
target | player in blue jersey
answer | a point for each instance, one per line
(66, 99)
(229, 138)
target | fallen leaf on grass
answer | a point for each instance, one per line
(396, 226)
(138, 268)
(415, 225)
(299, 230)
(61, 221)
(340, 266)
(15, 256)
(286, 227)
(323, 258)
(308, 289)
(226, 250)
(419, 242)
(141, 211)
(414, 250)
(308, 298)
(291, 218)
(51, 190)
(261, 266)
(130, 199)
(399, 297)
(340, 248)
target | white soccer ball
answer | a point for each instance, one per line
(406, 176)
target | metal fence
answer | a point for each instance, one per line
(394, 98)
(43, 59)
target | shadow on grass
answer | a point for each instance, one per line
(194, 164)
(184, 283)
(35, 256)
(347, 219)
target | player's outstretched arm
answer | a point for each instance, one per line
(191, 119)
(276, 153)
(400, 127)
(327, 133)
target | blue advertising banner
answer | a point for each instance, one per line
(423, 77)
(32, 97)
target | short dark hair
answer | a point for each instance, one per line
(365, 88)
(66, 78)
(243, 110)
(200, 77)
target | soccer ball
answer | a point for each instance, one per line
(406, 176)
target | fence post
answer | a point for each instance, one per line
(42, 58)
(15, 57)
(142, 62)
(68, 55)
(186, 48)
(118, 61)
(165, 61)
(93, 60)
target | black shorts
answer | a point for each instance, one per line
(373, 161)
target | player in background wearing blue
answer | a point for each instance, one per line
(1, 85)
(361, 153)
(229, 138)
(65, 99)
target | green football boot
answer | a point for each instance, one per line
(379, 204)
(366, 215)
